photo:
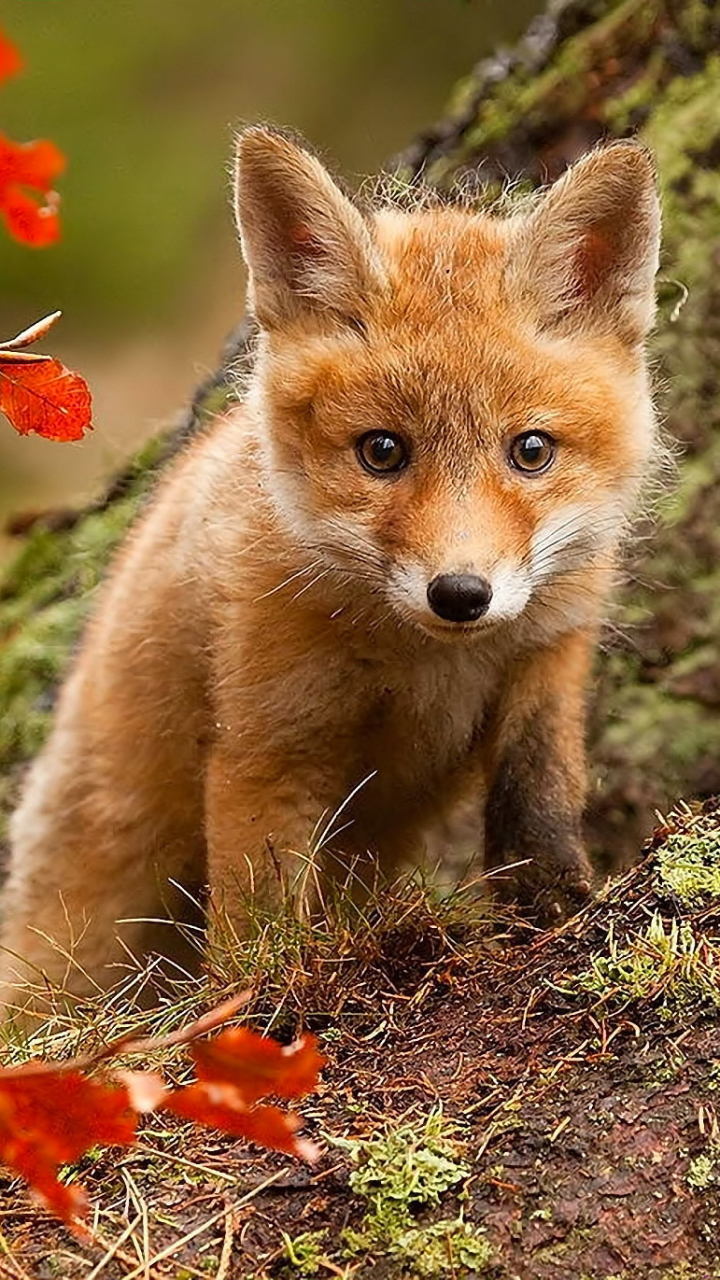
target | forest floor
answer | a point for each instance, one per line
(536, 1105)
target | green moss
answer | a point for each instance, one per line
(559, 93)
(658, 724)
(304, 1253)
(399, 1173)
(689, 865)
(703, 1171)
(673, 967)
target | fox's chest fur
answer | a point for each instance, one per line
(407, 713)
(339, 693)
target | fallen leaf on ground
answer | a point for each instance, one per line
(258, 1066)
(50, 1117)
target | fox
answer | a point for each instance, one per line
(372, 589)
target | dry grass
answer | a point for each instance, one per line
(339, 970)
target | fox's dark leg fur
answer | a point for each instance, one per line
(537, 784)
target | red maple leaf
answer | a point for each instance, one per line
(10, 58)
(37, 393)
(258, 1066)
(235, 1070)
(50, 1116)
(219, 1106)
(28, 201)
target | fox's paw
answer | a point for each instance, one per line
(546, 895)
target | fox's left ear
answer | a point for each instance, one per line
(587, 256)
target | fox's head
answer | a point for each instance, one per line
(454, 406)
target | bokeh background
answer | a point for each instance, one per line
(142, 96)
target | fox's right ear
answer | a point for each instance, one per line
(306, 246)
(587, 256)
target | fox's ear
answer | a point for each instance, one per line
(306, 246)
(587, 256)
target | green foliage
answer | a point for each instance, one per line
(672, 967)
(703, 1171)
(398, 1173)
(689, 865)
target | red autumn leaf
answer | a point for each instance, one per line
(10, 59)
(46, 398)
(219, 1106)
(33, 165)
(35, 224)
(49, 1117)
(258, 1066)
(30, 164)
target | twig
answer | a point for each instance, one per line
(16, 1269)
(170, 1249)
(226, 1254)
(113, 1249)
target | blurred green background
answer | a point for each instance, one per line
(142, 96)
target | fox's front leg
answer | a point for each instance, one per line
(537, 783)
(260, 821)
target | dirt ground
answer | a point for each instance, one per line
(581, 1111)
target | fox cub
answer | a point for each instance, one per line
(370, 591)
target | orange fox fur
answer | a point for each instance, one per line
(266, 646)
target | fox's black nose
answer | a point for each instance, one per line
(459, 597)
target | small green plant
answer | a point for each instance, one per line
(304, 1252)
(703, 1171)
(403, 1171)
(450, 1247)
(670, 965)
(688, 865)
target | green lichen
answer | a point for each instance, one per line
(399, 1173)
(672, 966)
(304, 1253)
(688, 865)
(450, 1247)
(703, 1171)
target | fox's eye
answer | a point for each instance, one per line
(532, 451)
(381, 453)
